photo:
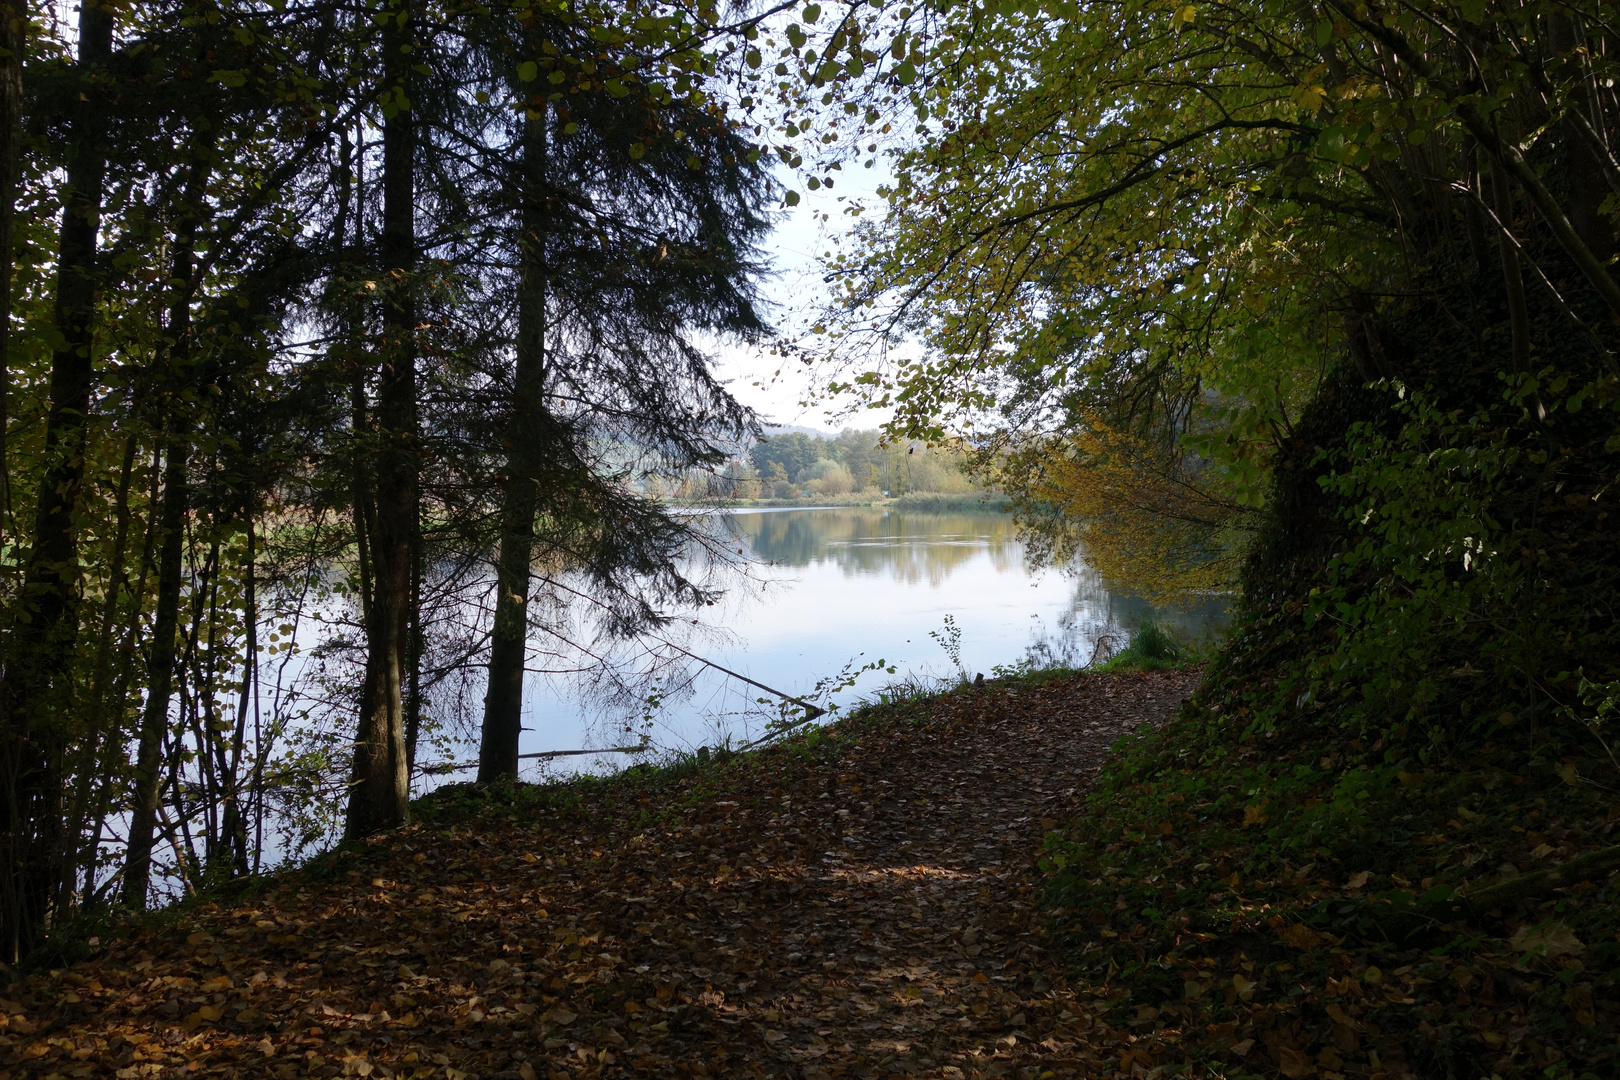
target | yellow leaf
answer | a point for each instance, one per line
(210, 1012)
(1310, 98)
(1253, 815)
(198, 938)
(526, 1072)
(222, 982)
(1301, 937)
(1358, 881)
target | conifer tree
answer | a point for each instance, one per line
(635, 221)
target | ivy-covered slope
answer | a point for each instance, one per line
(1377, 842)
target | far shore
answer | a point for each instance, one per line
(916, 502)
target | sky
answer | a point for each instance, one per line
(795, 291)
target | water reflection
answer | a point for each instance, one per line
(909, 548)
(845, 586)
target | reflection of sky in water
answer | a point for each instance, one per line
(855, 584)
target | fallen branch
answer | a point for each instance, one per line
(811, 712)
(452, 766)
(638, 749)
(1576, 870)
(1463, 907)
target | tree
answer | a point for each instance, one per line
(1222, 231)
(34, 697)
(636, 216)
(1115, 210)
(379, 791)
(794, 452)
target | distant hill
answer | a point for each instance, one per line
(788, 429)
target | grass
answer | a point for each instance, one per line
(1152, 648)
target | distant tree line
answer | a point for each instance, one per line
(784, 466)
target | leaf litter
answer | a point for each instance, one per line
(859, 901)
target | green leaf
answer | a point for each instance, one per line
(528, 71)
(637, 150)
(753, 58)
(906, 73)
(812, 12)
(791, 198)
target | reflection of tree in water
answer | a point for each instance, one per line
(1101, 610)
(908, 547)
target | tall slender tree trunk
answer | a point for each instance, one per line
(503, 701)
(176, 505)
(1512, 275)
(159, 673)
(13, 16)
(379, 790)
(96, 733)
(236, 812)
(35, 710)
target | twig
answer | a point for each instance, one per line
(811, 712)
(451, 766)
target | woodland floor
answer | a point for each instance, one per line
(861, 903)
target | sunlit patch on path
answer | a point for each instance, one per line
(866, 913)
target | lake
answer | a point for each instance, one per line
(837, 588)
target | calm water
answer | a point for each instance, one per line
(841, 587)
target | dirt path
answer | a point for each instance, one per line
(865, 914)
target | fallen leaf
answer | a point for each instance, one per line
(1548, 939)
(1293, 1063)
(1301, 936)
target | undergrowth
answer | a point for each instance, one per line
(1327, 865)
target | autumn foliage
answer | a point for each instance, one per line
(1152, 517)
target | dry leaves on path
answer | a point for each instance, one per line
(856, 903)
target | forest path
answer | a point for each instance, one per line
(861, 906)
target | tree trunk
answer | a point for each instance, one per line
(176, 504)
(379, 790)
(503, 701)
(96, 732)
(35, 712)
(13, 15)
(159, 674)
